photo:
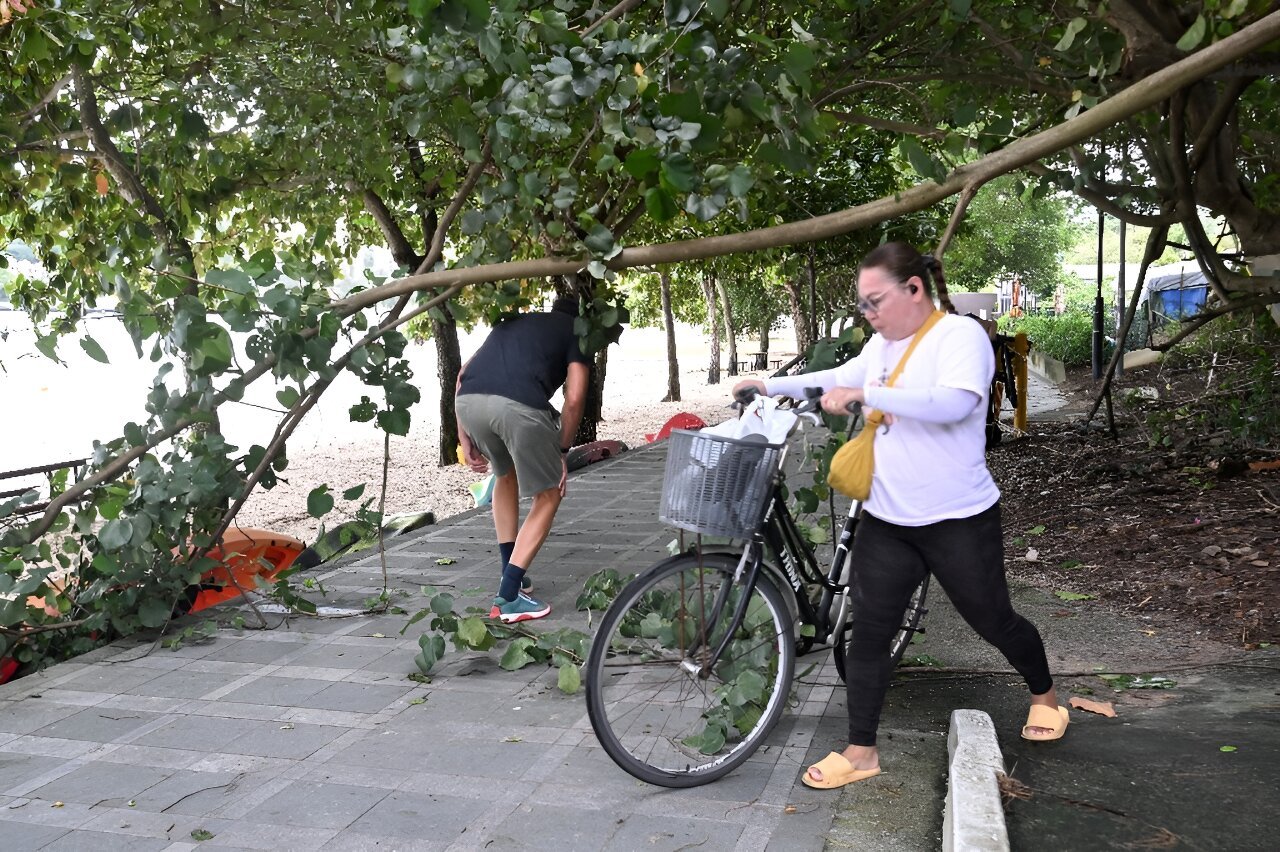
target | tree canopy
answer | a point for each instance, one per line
(210, 166)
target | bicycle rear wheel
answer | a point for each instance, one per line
(655, 710)
(898, 646)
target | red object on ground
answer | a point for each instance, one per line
(245, 553)
(683, 420)
(585, 454)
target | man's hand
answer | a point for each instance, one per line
(477, 462)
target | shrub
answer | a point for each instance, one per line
(1067, 337)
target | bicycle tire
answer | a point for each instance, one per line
(898, 646)
(651, 711)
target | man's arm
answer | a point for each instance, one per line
(575, 401)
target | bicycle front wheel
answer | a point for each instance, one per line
(660, 706)
(898, 645)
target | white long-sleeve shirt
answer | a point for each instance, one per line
(931, 464)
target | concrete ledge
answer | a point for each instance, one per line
(974, 817)
(1051, 368)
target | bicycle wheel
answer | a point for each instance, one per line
(655, 711)
(898, 646)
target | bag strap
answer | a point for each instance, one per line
(877, 416)
(920, 333)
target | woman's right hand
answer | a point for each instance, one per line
(754, 384)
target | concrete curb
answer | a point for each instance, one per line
(973, 818)
(1047, 366)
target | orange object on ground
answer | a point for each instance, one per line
(245, 553)
(683, 420)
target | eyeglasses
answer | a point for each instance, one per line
(871, 305)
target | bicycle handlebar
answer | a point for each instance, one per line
(811, 404)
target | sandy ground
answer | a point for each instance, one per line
(344, 455)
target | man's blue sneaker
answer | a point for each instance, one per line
(523, 608)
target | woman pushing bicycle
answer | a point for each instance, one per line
(933, 506)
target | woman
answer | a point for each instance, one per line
(933, 505)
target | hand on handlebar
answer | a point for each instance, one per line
(745, 392)
(842, 401)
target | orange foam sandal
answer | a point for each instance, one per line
(837, 771)
(1045, 717)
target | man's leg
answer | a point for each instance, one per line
(506, 518)
(533, 532)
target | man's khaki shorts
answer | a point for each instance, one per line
(510, 434)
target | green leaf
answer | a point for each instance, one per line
(569, 679)
(641, 163)
(1069, 37)
(48, 346)
(1036, 530)
(599, 240)
(288, 397)
(1236, 8)
(960, 8)
(233, 279)
(201, 834)
(1073, 596)
(354, 492)
(473, 632)
(1227, 749)
(679, 172)
(153, 612)
(660, 205)
(319, 501)
(517, 654)
(115, 534)
(1194, 34)
(91, 346)
(396, 421)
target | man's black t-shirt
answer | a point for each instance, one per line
(525, 358)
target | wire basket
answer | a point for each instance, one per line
(716, 485)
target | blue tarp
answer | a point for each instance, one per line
(1178, 296)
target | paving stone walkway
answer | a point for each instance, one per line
(310, 735)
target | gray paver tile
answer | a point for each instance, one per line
(554, 829)
(110, 679)
(242, 834)
(50, 746)
(335, 656)
(639, 832)
(23, 717)
(42, 812)
(198, 732)
(356, 697)
(161, 758)
(185, 683)
(252, 649)
(17, 769)
(417, 815)
(96, 724)
(133, 822)
(317, 805)
(348, 842)
(392, 749)
(268, 739)
(23, 835)
(111, 784)
(361, 776)
(279, 691)
(195, 793)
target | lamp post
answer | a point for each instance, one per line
(1097, 306)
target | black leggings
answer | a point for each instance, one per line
(966, 557)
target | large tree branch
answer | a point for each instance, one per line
(436, 250)
(29, 117)
(130, 186)
(1137, 97)
(401, 251)
(924, 131)
(616, 12)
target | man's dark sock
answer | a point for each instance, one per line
(506, 548)
(511, 576)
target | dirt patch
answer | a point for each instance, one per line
(1166, 518)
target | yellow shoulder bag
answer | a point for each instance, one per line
(854, 463)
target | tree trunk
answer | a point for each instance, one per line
(764, 341)
(799, 321)
(593, 413)
(730, 330)
(713, 328)
(448, 364)
(669, 323)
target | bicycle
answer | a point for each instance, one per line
(693, 661)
